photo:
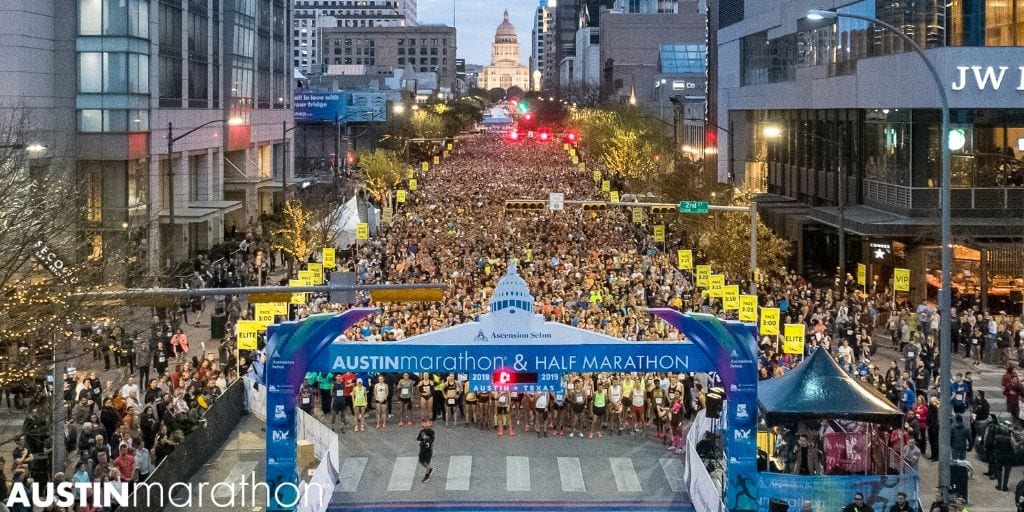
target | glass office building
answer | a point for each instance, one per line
(815, 105)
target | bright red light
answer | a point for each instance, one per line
(513, 135)
(572, 137)
(528, 116)
(544, 135)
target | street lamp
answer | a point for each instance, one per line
(659, 85)
(171, 139)
(946, 292)
(398, 109)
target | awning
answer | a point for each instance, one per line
(871, 222)
(198, 211)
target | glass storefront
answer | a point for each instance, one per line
(898, 146)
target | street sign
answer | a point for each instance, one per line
(693, 206)
(556, 201)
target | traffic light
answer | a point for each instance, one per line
(544, 135)
(513, 135)
(571, 137)
(528, 116)
(662, 210)
(523, 107)
(593, 206)
(525, 204)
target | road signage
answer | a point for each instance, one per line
(556, 201)
(693, 206)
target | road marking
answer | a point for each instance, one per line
(459, 468)
(517, 477)
(625, 476)
(403, 474)
(572, 474)
(239, 473)
(351, 473)
(673, 468)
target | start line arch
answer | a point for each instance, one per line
(510, 337)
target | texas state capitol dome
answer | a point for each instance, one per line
(505, 70)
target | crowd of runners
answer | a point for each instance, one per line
(589, 404)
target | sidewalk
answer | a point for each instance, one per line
(982, 495)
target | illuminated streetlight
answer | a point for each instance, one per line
(772, 132)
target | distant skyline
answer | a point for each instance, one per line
(476, 21)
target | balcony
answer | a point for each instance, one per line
(965, 202)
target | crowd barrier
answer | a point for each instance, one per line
(199, 445)
(705, 491)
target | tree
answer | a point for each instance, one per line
(380, 172)
(427, 124)
(496, 94)
(514, 91)
(629, 156)
(582, 94)
(295, 235)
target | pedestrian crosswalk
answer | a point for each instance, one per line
(521, 472)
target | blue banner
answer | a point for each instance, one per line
(835, 492)
(321, 106)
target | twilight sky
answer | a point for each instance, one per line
(476, 21)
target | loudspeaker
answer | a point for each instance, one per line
(777, 505)
(713, 402)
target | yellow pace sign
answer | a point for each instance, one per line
(659, 233)
(731, 297)
(606, 186)
(684, 259)
(748, 308)
(613, 196)
(297, 298)
(703, 275)
(362, 231)
(400, 196)
(329, 260)
(437, 159)
(862, 274)
(318, 273)
(715, 284)
(638, 215)
(264, 315)
(425, 165)
(769, 321)
(413, 184)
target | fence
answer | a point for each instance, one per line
(199, 445)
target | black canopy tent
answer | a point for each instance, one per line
(818, 389)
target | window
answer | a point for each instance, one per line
(170, 54)
(401, 61)
(401, 51)
(683, 58)
(113, 72)
(94, 195)
(113, 18)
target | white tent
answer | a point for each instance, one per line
(347, 221)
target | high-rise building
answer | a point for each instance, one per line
(840, 124)
(568, 16)
(543, 67)
(379, 50)
(506, 69)
(647, 6)
(311, 16)
(103, 81)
